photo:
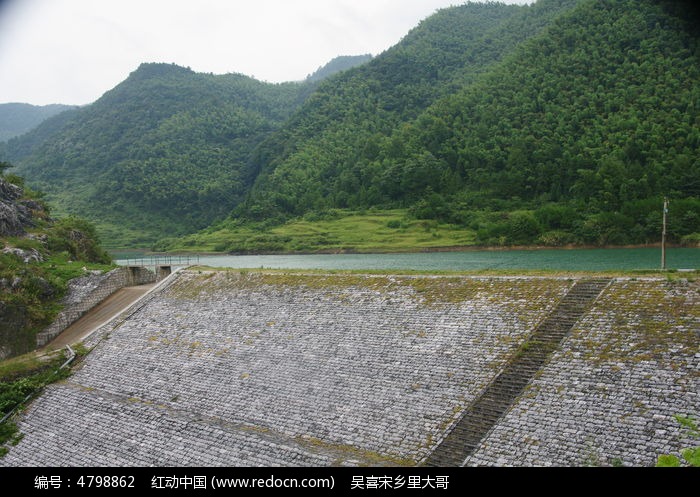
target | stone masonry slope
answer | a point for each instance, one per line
(270, 369)
(610, 393)
(228, 368)
(483, 414)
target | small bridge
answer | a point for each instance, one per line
(162, 265)
(161, 260)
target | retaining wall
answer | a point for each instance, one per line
(86, 292)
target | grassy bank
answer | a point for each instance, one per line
(25, 376)
(381, 231)
(397, 230)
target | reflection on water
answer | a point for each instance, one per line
(554, 259)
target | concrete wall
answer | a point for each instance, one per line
(86, 293)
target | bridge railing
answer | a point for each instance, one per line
(161, 260)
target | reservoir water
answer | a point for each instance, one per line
(546, 259)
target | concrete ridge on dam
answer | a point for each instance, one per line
(238, 368)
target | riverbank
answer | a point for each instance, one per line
(389, 231)
(136, 253)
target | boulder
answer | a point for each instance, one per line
(27, 256)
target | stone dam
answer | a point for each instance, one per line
(235, 368)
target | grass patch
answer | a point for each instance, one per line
(381, 231)
(63, 268)
(26, 365)
(21, 377)
(345, 452)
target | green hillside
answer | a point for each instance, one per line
(338, 64)
(17, 118)
(562, 122)
(574, 137)
(38, 256)
(342, 126)
(163, 152)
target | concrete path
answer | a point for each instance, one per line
(109, 308)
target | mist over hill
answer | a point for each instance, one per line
(18, 118)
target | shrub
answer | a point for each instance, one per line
(522, 227)
(606, 228)
(692, 240)
(691, 455)
(556, 216)
(79, 238)
(555, 238)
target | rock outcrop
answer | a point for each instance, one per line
(16, 215)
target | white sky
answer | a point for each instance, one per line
(72, 51)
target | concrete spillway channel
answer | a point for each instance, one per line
(106, 310)
(484, 413)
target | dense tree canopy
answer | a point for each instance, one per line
(598, 115)
(165, 152)
(338, 64)
(565, 121)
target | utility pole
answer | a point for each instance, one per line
(663, 236)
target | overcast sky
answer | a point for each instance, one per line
(72, 51)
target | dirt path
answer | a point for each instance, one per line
(98, 315)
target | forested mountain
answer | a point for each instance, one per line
(164, 152)
(565, 121)
(582, 127)
(342, 126)
(16, 118)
